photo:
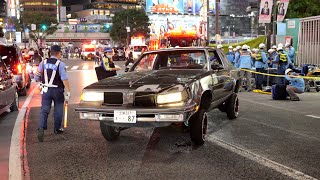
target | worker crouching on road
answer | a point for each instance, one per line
(296, 85)
(245, 62)
(107, 63)
(53, 75)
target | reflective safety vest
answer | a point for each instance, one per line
(283, 57)
(259, 56)
(50, 70)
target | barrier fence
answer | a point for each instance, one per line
(309, 41)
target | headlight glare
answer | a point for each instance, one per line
(169, 98)
(92, 96)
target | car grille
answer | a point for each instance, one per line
(113, 98)
(144, 99)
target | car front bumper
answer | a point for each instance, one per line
(145, 117)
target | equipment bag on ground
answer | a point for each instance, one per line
(279, 92)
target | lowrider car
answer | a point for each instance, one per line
(178, 85)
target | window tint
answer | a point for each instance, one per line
(214, 58)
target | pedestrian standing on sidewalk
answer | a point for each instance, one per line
(296, 85)
(54, 81)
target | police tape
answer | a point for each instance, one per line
(277, 75)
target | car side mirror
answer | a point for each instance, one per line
(215, 66)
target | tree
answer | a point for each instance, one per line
(303, 8)
(137, 20)
(45, 25)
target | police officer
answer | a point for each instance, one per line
(291, 52)
(245, 62)
(107, 63)
(282, 60)
(230, 55)
(261, 63)
(237, 56)
(54, 82)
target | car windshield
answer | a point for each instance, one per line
(139, 48)
(178, 59)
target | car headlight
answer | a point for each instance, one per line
(91, 96)
(172, 97)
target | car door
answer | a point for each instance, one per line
(3, 96)
(221, 76)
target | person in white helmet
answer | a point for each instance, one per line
(230, 55)
(237, 56)
(282, 61)
(296, 85)
(219, 46)
(261, 63)
(245, 62)
(291, 52)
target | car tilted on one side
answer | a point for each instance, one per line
(178, 85)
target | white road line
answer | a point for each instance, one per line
(317, 117)
(85, 67)
(261, 160)
(15, 156)
(74, 68)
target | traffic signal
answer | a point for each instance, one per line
(107, 26)
(43, 27)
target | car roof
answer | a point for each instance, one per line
(181, 49)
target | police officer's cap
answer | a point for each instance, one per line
(108, 50)
(55, 48)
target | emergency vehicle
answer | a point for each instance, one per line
(88, 52)
(137, 46)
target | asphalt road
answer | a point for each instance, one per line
(270, 140)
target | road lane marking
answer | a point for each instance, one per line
(85, 67)
(282, 129)
(15, 146)
(317, 117)
(74, 68)
(285, 170)
(67, 67)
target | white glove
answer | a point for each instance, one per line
(67, 96)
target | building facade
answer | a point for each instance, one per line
(49, 7)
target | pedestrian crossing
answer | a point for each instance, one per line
(81, 67)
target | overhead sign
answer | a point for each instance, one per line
(282, 10)
(73, 21)
(265, 11)
(164, 6)
(63, 13)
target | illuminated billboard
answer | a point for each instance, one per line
(164, 6)
(161, 24)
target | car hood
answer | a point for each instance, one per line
(155, 80)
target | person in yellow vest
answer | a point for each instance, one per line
(108, 65)
(281, 60)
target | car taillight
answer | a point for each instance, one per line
(19, 68)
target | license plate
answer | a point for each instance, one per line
(125, 116)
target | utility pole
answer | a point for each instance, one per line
(217, 16)
(274, 21)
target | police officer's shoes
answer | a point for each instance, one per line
(40, 134)
(58, 131)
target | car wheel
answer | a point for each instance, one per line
(317, 89)
(15, 104)
(232, 106)
(222, 107)
(23, 92)
(198, 127)
(110, 133)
